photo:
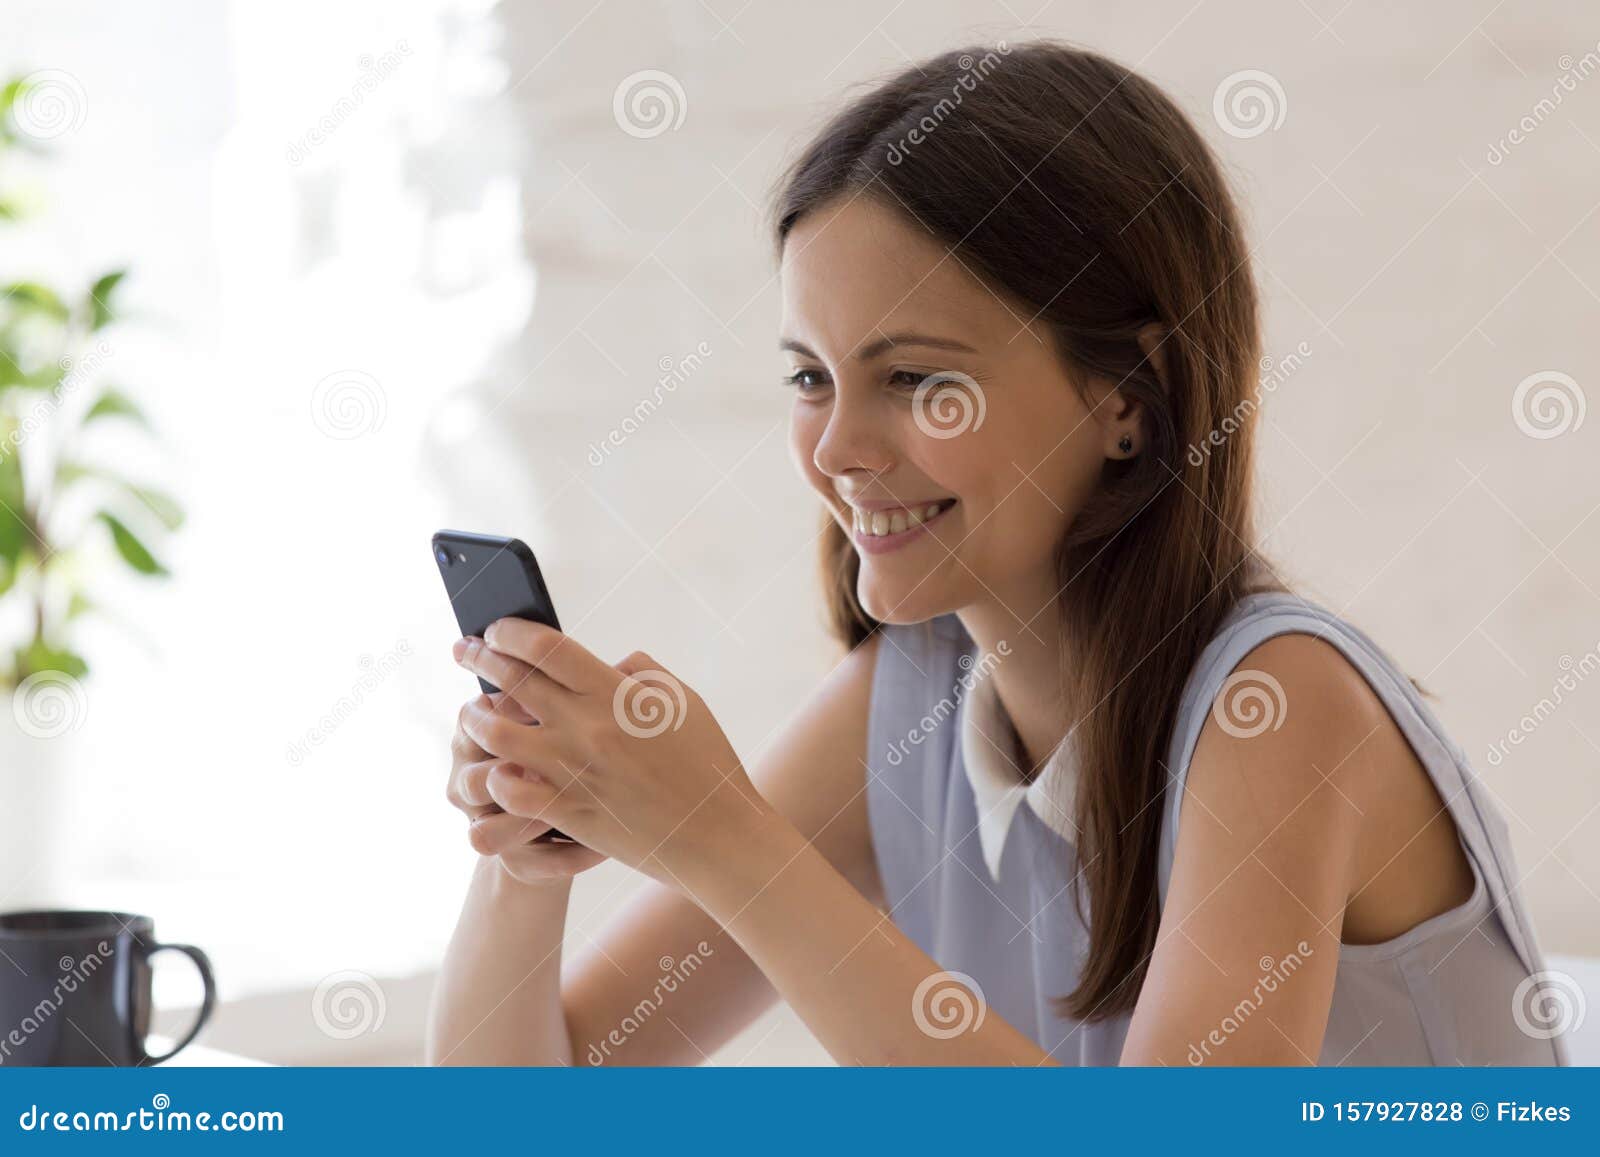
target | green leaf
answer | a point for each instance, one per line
(101, 295)
(8, 101)
(41, 656)
(36, 298)
(14, 535)
(115, 404)
(166, 508)
(69, 471)
(10, 372)
(133, 552)
(159, 503)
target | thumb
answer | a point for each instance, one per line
(639, 662)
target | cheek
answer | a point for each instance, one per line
(805, 431)
(1037, 468)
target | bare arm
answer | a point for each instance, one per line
(673, 801)
(1321, 829)
(1271, 877)
(663, 984)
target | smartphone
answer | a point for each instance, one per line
(489, 578)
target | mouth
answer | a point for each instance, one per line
(880, 531)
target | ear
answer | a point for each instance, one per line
(1153, 341)
(1120, 418)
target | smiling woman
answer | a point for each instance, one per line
(1005, 318)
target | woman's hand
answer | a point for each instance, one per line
(625, 759)
(495, 832)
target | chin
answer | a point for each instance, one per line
(900, 603)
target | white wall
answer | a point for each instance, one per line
(485, 242)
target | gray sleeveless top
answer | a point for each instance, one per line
(977, 865)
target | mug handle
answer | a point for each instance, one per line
(208, 1002)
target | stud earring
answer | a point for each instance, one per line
(1125, 444)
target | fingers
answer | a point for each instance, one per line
(535, 862)
(533, 690)
(498, 831)
(500, 736)
(536, 796)
(553, 653)
(463, 749)
(468, 788)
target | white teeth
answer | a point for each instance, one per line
(877, 523)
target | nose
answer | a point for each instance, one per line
(857, 437)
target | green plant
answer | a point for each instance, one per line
(60, 509)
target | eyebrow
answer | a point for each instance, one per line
(885, 343)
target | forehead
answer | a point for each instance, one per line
(855, 267)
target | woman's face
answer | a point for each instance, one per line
(935, 419)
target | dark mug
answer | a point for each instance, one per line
(75, 988)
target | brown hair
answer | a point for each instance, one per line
(1078, 188)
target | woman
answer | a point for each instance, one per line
(1089, 786)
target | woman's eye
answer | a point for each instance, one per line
(806, 380)
(907, 379)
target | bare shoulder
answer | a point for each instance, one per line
(1280, 764)
(813, 771)
(1267, 856)
(1303, 767)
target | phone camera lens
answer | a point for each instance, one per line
(442, 554)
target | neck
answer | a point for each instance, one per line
(1026, 670)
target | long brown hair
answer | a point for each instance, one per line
(1078, 188)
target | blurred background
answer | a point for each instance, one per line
(503, 267)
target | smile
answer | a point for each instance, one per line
(878, 531)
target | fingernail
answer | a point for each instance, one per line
(530, 775)
(459, 650)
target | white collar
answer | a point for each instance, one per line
(991, 754)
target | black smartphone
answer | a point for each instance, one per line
(489, 578)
